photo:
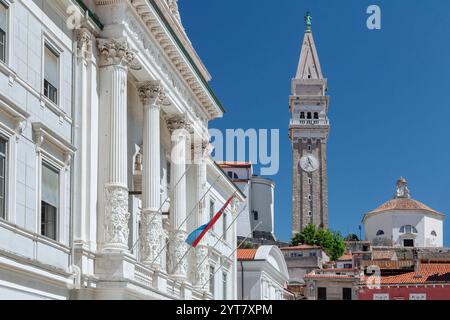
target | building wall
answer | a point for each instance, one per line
(262, 201)
(429, 292)
(391, 222)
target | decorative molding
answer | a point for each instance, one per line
(84, 44)
(184, 80)
(116, 218)
(152, 93)
(115, 52)
(177, 123)
(151, 237)
(43, 134)
(14, 112)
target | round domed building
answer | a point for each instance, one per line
(404, 222)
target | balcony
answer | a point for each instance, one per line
(309, 122)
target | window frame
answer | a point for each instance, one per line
(224, 285)
(58, 168)
(48, 42)
(6, 199)
(9, 5)
(224, 226)
(212, 277)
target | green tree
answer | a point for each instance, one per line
(331, 242)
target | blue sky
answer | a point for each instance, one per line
(389, 92)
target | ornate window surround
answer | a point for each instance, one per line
(46, 141)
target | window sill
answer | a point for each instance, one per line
(47, 103)
(5, 69)
(33, 236)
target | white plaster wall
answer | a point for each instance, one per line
(262, 200)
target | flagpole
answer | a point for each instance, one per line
(187, 217)
(237, 248)
(206, 257)
(187, 251)
(162, 205)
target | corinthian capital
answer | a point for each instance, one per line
(177, 123)
(152, 93)
(84, 43)
(115, 52)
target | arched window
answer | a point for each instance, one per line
(316, 115)
(433, 233)
(302, 115)
(408, 229)
(380, 232)
(309, 116)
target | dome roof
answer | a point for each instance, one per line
(403, 204)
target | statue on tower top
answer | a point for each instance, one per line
(402, 189)
(308, 20)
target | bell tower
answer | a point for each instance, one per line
(308, 130)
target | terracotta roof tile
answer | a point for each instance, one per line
(345, 257)
(246, 254)
(301, 247)
(403, 204)
(234, 164)
(428, 273)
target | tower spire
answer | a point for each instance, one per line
(309, 64)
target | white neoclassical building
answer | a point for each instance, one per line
(262, 274)
(404, 222)
(104, 155)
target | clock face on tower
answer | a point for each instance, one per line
(309, 163)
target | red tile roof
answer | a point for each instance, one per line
(428, 273)
(234, 164)
(301, 247)
(346, 257)
(246, 254)
(328, 276)
(403, 204)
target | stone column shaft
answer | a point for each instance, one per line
(114, 59)
(151, 231)
(178, 246)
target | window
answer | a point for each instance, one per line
(408, 243)
(408, 229)
(224, 285)
(49, 201)
(316, 115)
(302, 115)
(309, 148)
(309, 213)
(309, 116)
(232, 175)
(309, 197)
(380, 232)
(312, 254)
(321, 293)
(3, 175)
(51, 73)
(211, 279)
(168, 173)
(3, 31)
(433, 233)
(224, 226)
(255, 215)
(211, 209)
(309, 181)
(346, 293)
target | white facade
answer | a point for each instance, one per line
(98, 127)
(404, 222)
(258, 212)
(263, 276)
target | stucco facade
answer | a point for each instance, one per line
(104, 112)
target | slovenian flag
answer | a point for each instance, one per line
(197, 235)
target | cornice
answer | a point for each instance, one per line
(176, 53)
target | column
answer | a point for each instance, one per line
(152, 95)
(177, 244)
(201, 263)
(115, 56)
